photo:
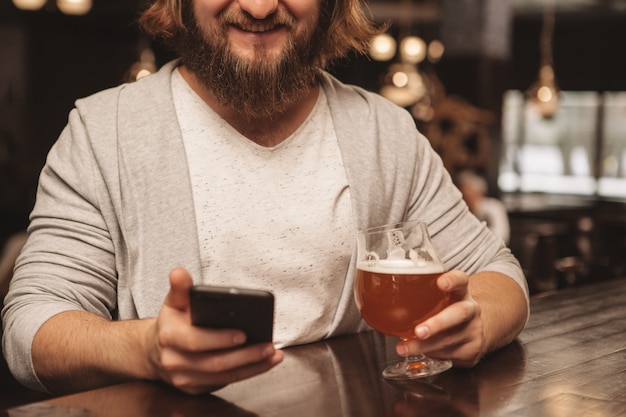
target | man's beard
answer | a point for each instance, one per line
(260, 88)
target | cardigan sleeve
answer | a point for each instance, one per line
(394, 175)
(67, 262)
(462, 240)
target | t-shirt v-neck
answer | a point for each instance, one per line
(276, 218)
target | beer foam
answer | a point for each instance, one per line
(399, 266)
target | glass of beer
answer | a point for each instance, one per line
(395, 289)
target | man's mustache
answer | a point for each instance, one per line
(242, 19)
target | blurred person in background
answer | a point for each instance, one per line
(487, 209)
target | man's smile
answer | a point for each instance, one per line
(257, 27)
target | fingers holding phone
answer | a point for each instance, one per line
(175, 328)
(201, 359)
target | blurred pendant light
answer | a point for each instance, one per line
(435, 50)
(29, 4)
(412, 49)
(403, 84)
(145, 66)
(544, 93)
(383, 47)
(74, 7)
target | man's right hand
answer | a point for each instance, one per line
(197, 360)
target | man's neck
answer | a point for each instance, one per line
(265, 131)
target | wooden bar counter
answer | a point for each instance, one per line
(569, 361)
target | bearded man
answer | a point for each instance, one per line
(243, 163)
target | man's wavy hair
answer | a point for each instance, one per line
(345, 26)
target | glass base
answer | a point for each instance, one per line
(414, 367)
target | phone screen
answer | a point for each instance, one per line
(251, 311)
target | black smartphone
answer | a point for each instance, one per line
(251, 311)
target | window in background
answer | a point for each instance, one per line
(612, 181)
(552, 155)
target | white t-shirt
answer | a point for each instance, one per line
(277, 218)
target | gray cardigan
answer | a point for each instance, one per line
(114, 211)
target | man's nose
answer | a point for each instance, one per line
(259, 9)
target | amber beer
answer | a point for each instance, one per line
(393, 300)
